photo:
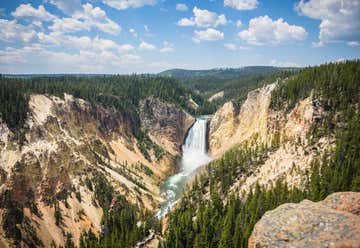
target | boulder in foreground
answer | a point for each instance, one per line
(333, 222)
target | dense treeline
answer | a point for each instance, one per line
(122, 93)
(336, 85)
(235, 83)
(209, 221)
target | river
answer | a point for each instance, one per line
(194, 155)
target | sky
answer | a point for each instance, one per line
(148, 36)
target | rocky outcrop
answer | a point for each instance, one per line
(165, 123)
(334, 222)
(216, 96)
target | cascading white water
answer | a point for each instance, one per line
(194, 156)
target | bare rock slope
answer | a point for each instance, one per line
(334, 222)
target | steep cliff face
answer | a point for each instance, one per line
(228, 129)
(334, 222)
(166, 124)
(50, 185)
(257, 124)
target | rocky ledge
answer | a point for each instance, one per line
(333, 222)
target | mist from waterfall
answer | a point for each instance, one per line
(194, 156)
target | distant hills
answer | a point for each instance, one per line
(226, 72)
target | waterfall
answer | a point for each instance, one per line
(194, 155)
(196, 139)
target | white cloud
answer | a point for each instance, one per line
(264, 31)
(97, 17)
(233, 47)
(126, 48)
(241, 4)
(238, 23)
(125, 4)
(276, 63)
(85, 19)
(168, 47)
(203, 18)
(37, 24)
(11, 55)
(11, 31)
(353, 43)
(133, 32)
(340, 19)
(27, 11)
(35, 59)
(230, 46)
(67, 6)
(68, 25)
(181, 7)
(83, 42)
(209, 34)
(146, 46)
(186, 22)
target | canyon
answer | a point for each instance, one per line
(162, 158)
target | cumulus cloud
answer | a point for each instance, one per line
(167, 48)
(241, 4)
(340, 20)
(96, 44)
(67, 6)
(203, 18)
(11, 31)
(27, 11)
(181, 7)
(85, 19)
(68, 25)
(209, 34)
(125, 4)
(264, 31)
(146, 46)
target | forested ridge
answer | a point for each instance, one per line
(117, 93)
(227, 220)
(235, 83)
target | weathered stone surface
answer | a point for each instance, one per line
(330, 223)
(227, 128)
(166, 124)
(344, 201)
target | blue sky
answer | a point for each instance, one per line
(136, 36)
